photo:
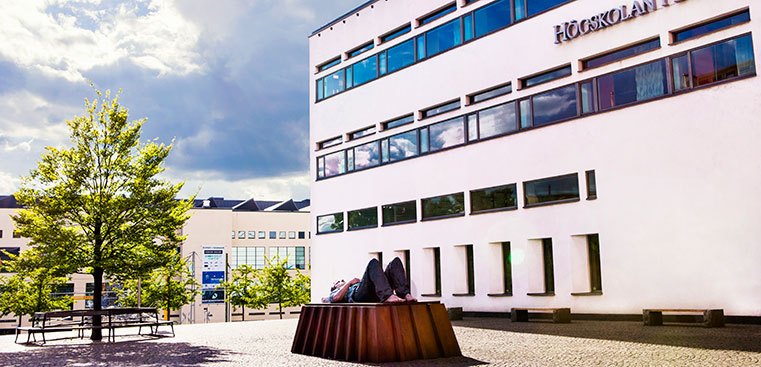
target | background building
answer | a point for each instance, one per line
(244, 230)
(600, 155)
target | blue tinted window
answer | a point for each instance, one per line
(538, 6)
(320, 89)
(395, 34)
(443, 38)
(365, 70)
(367, 155)
(520, 9)
(713, 26)
(401, 55)
(555, 105)
(334, 83)
(421, 47)
(546, 77)
(398, 122)
(492, 17)
(329, 64)
(361, 49)
(451, 106)
(349, 81)
(467, 24)
(723, 61)
(497, 120)
(447, 134)
(383, 65)
(430, 18)
(403, 146)
(632, 85)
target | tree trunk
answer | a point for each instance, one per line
(139, 291)
(97, 274)
(244, 313)
(280, 308)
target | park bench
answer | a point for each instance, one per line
(375, 332)
(710, 317)
(81, 320)
(559, 315)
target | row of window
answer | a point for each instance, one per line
(593, 269)
(725, 60)
(272, 235)
(15, 234)
(556, 73)
(475, 24)
(256, 256)
(546, 191)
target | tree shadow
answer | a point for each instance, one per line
(735, 337)
(120, 353)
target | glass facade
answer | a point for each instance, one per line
(443, 38)
(295, 256)
(365, 70)
(723, 61)
(446, 134)
(367, 155)
(492, 17)
(636, 84)
(400, 56)
(497, 120)
(403, 146)
(555, 105)
(712, 26)
(251, 256)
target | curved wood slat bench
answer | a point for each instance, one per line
(375, 332)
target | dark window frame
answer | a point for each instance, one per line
(470, 273)
(383, 221)
(436, 273)
(470, 98)
(673, 34)
(494, 210)
(356, 51)
(547, 203)
(670, 93)
(584, 63)
(522, 81)
(348, 219)
(436, 14)
(330, 142)
(328, 64)
(424, 113)
(393, 34)
(384, 125)
(423, 218)
(591, 193)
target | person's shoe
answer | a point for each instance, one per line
(393, 299)
(409, 298)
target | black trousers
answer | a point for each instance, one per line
(377, 285)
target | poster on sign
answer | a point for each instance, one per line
(213, 273)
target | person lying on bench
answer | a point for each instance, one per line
(375, 286)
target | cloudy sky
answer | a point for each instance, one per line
(227, 79)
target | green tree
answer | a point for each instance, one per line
(168, 288)
(242, 290)
(29, 289)
(97, 205)
(276, 285)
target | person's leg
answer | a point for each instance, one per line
(397, 277)
(374, 286)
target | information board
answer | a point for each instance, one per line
(213, 269)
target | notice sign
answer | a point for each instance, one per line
(213, 270)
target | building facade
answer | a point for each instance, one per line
(600, 155)
(220, 232)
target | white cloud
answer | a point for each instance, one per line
(53, 37)
(8, 183)
(26, 115)
(208, 183)
(25, 146)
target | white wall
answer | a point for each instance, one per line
(677, 177)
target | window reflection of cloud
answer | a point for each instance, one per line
(447, 134)
(366, 155)
(497, 120)
(555, 105)
(326, 224)
(403, 146)
(334, 164)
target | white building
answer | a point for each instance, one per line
(601, 155)
(238, 231)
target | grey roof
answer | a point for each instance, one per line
(8, 202)
(251, 205)
(342, 17)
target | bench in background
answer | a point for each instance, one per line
(559, 315)
(711, 317)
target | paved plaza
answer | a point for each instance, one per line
(484, 341)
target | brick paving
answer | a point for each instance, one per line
(496, 342)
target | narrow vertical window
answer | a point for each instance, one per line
(467, 25)
(472, 127)
(384, 150)
(406, 265)
(587, 98)
(421, 47)
(520, 9)
(525, 109)
(549, 272)
(591, 185)
(471, 270)
(595, 274)
(437, 269)
(507, 271)
(680, 69)
(424, 140)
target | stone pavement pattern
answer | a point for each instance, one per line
(496, 342)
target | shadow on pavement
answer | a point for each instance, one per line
(732, 337)
(124, 353)
(453, 362)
